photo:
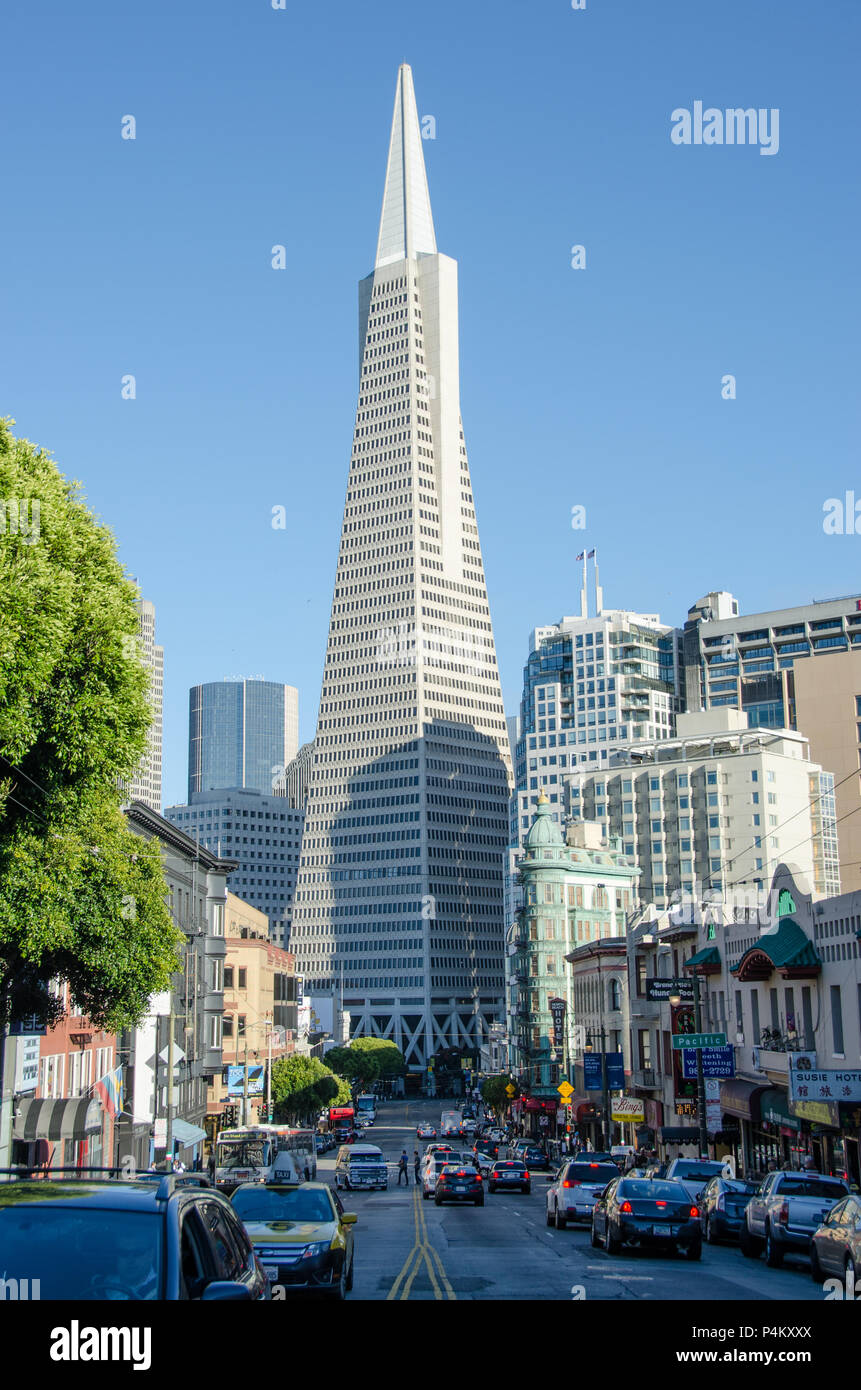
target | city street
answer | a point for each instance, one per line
(410, 1249)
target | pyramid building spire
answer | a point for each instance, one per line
(399, 893)
(406, 222)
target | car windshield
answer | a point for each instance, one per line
(689, 1170)
(592, 1172)
(456, 1168)
(812, 1187)
(83, 1253)
(282, 1204)
(644, 1188)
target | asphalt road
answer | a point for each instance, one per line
(407, 1249)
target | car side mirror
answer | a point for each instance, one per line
(226, 1291)
(349, 1218)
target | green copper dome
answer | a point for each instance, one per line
(543, 832)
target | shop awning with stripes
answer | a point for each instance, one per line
(57, 1119)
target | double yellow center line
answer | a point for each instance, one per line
(422, 1252)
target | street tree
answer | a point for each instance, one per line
(301, 1087)
(82, 898)
(494, 1092)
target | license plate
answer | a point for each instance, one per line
(271, 1271)
(459, 1187)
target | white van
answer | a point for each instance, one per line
(360, 1165)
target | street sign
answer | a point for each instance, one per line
(829, 1085)
(698, 1040)
(510, 1090)
(717, 1061)
(662, 989)
(565, 1090)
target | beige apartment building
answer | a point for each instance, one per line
(260, 1010)
(828, 709)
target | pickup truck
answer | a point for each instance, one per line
(785, 1212)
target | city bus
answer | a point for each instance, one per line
(264, 1153)
(366, 1109)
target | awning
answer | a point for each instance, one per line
(57, 1119)
(774, 1107)
(707, 960)
(186, 1134)
(789, 950)
(741, 1098)
(679, 1134)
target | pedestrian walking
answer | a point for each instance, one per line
(416, 1165)
(403, 1169)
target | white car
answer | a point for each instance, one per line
(433, 1165)
(574, 1190)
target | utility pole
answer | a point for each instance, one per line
(269, 1075)
(245, 1081)
(701, 1089)
(170, 1094)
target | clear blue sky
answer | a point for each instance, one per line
(257, 126)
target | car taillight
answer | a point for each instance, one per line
(526, 1175)
(477, 1177)
(570, 1182)
(783, 1215)
(660, 1204)
(695, 1211)
(626, 1206)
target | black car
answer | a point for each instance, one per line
(458, 1183)
(640, 1211)
(508, 1175)
(534, 1157)
(158, 1238)
(722, 1205)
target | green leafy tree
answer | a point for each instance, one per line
(389, 1058)
(494, 1093)
(343, 1061)
(301, 1086)
(82, 898)
(344, 1095)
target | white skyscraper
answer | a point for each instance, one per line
(146, 785)
(399, 892)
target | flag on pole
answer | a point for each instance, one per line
(581, 556)
(590, 555)
(110, 1091)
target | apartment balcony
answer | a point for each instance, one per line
(645, 1078)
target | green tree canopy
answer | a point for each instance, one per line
(343, 1061)
(388, 1056)
(301, 1086)
(82, 898)
(495, 1094)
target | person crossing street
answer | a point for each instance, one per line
(403, 1169)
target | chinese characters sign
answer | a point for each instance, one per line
(825, 1085)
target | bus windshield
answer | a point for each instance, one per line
(243, 1153)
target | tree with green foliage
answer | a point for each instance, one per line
(388, 1056)
(301, 1087)
(494, 1092)
(82, 898)
(343, 1061)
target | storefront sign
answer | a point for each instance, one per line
(818, 1112)
(825, 1085)
(686, 1107)
(624, 1108)
(662, 989)
(717, 1061)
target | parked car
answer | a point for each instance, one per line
(507, 1174)
(785, 1211)
(694, 1173)
(574, 1190)
(459, 1183)
(722, 1205)
(638, 1211)
(164, 1237)
(301, 1235)
(361, 1165)
(835, 1247)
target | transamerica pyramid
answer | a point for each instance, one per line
(399, 895)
